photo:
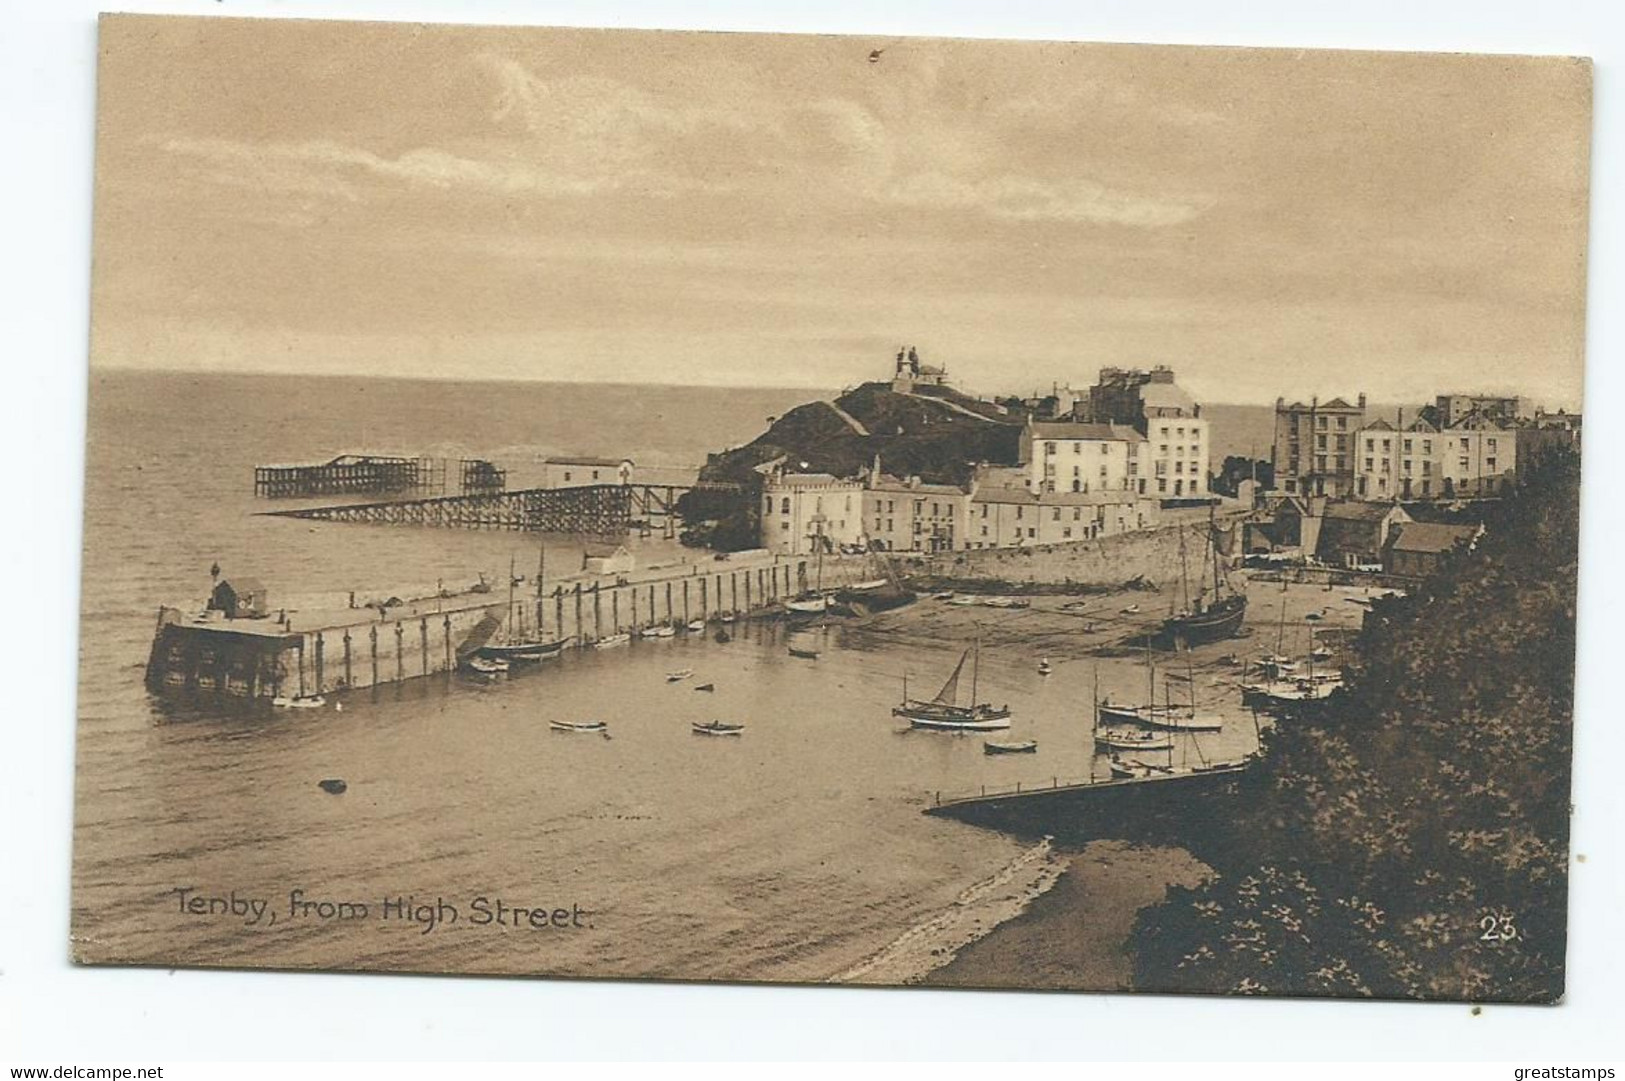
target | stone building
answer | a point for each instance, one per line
(802, 512)
(1314, 452)
(904, 514)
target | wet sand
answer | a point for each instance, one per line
(1076, 935)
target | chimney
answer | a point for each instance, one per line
(1362, 403)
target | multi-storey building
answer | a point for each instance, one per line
(1004, 512)
(1475, 457)
(1067, 456)
(1174, 462)
(802, 512)
(906, 515)
(1451, 409)
(1314, 452)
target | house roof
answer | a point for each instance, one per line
(807, 480)
(1360, 511)
(1432, 537)
(1068, 429)
(1338, 403)
(569, 460)
(244, 585)
(1017, 496)
(1379, 426)
(901, 486)
(602, 551)
(1420, 425)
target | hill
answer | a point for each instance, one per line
(935, 433)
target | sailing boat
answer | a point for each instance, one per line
(516, 645)
(1167, 715)
(944, 710)
(814, 602)
(1207, 619)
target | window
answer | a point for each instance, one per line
(919, 507)
(1049, 448)
(1407, 466)
(1342, 423)
(1407, 446)
(595, 474)
(1162, 449)
(1385, 465)
(1077, 485)
(984, 510)
(1179, 467)
(1105, 448)
(1491, 443)
(1464, 444)
(1427, 446)
(1031, 532)
(1180, 432)
(1489, 463)
(984, 528)
(785, 509)
(1162, 484)
(1427, 470)
(1077, 514)
(1162, 468)
(936, 509)
(818, 506)
(1370, 446)
(1066, 534)
(1368, 465)
(1387, 445)
(567, 475)
(1019, 511)
(890, 527)
(785, 526)
(1465, 465)
(1321, 423)
(1056, 517)
(1320, 442)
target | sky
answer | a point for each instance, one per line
(735, 209)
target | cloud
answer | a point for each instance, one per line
(581, 136)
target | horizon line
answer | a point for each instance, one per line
(94, 367)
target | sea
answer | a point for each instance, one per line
(794, 852)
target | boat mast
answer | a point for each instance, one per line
(541, 608)
(511, 637)
(975, 665)
(1184, 585)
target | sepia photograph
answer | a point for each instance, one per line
(831, 509)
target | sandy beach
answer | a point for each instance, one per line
(1076, 935)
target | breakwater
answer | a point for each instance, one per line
(322, 651)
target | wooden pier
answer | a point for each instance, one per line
(350, 474)
(602, 511)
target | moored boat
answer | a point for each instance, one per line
(696, 624)
(1132, 739)
(485, 666)
(299, 701)
(944, 713)
(804, 652)
(664, 630)
(578, 726)
(1025, 746)
(680, 674)
(717, 728)
(610, 640)
(1216, 612)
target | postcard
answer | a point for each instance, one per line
(831, 510)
